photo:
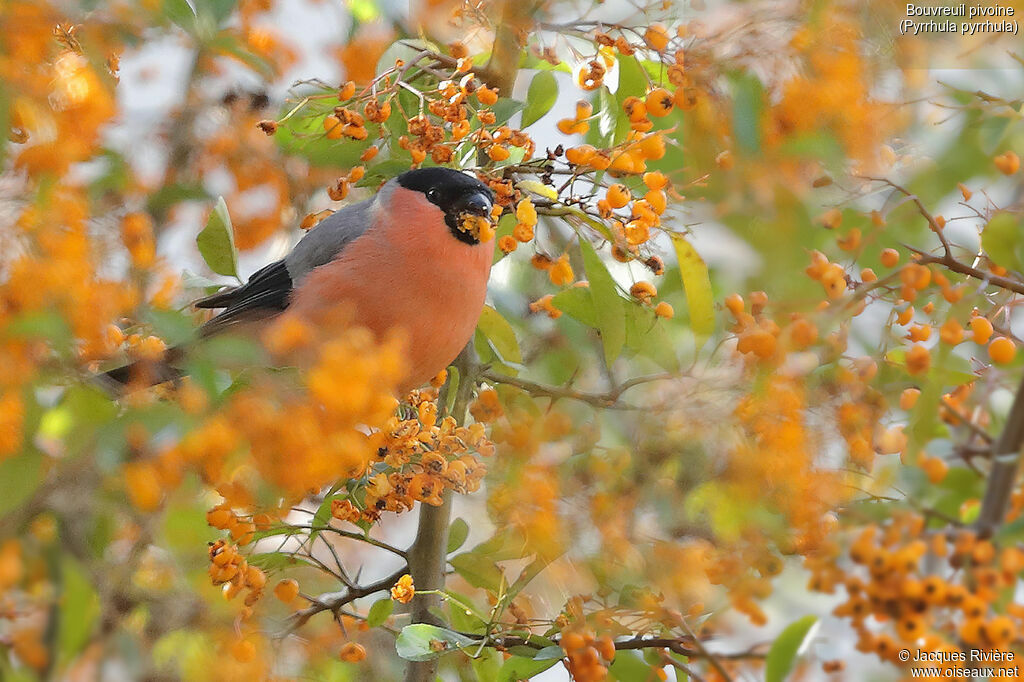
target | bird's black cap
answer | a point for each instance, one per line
(454, 192)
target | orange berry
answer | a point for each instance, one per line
(665, 310)
(584, 109)
(352, 652)
(656, 36)
(909, 398)
(659, 102)
(243, 651)
(566, 126)
(560, 272)
(507, 243)
(1008, 163)
(657, 199)
(655, 180)
(644, 291)
(486, 95)
(606, 647)
(868, 275)
(890, 257)
(918, 359)
(635, 109)
(618, 195)
(981, 330)
(497, 152)
(951, 332)
(935, 468)
(522, 232)
(1002, 350)
(333, 127)
(734, 303)
(572, 641)
(526, 213)
(580, 155)
(831, 219)
(286, 590)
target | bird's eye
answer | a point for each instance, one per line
(433, 195)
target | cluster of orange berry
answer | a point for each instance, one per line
(230, 569)
(417, 460)
(953, 603)
(588, 656)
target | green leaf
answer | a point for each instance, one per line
(783, 652)
(457, 534)
(548, 653)
(538, 188)
(632, 79)
(277, 561)
(305, 137)
(520, 668)
(501, 335)
(479, 571)
(380, 611)
(1002, 241)
(608, 305)
(423, 642)
(47, 325)
(364, 11)
(217, 242)
(505, 108)
(646, 334)
(747, 107)
(577, 303)
(19, 477)
(532, 570)
(697, 284)
(630, 667)
(540, 98)
(79, 609)
(169, 195)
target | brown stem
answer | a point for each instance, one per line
(428, 550)
(509, 37)
(1006, 455)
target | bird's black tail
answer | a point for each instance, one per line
(141, 373)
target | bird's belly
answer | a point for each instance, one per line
(436, 313)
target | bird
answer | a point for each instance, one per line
(414, 258)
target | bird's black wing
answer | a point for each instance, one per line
(265, 294)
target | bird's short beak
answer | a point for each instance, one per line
(476, 203)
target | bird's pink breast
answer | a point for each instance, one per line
(408, 273)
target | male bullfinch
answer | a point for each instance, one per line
(408, 260)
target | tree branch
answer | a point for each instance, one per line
(333, 602)
(1006, 454)
(427, 553)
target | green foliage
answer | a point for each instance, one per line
(783, 652)
(423, 642)
(608, 305)
(217, 242)
(540, 97)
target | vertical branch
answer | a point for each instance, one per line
(427, 554)
(428, 551)
(509, 38)
(1006, 454)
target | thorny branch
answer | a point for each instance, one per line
(609, 398)
(333, 602)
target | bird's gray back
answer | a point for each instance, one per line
(324, 242)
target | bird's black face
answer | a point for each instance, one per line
(462, 198)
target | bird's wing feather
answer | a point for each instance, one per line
(322, 244)
(269, 289)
